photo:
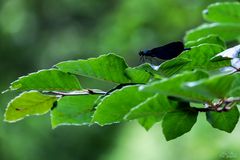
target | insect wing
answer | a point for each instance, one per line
(168, 51)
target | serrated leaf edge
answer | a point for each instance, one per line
(27, 115)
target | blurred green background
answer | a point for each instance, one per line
(36, 35)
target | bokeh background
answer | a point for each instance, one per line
(36, 34)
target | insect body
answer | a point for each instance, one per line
(166, 52)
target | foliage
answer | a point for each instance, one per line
(200, 76)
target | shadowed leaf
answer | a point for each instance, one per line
(178, 122)
(225, 121)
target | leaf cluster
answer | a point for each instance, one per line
(204, 79)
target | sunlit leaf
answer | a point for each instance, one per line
(150, 111)
(138, 75)
(109, 67)
(227, 31)
(198, 57)
(114, 107)
(156, 106)
(28, 103)
(210, 39)
(235, 62)
(173, 86)
(173, 66)
(47, 80)
(215, 87)
(228, 12)
(230, 53)
(73, 110)
(146, 67)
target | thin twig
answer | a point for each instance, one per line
(229, 100)
(203, 109)
(76, 93)
(223, 105)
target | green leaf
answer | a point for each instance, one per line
(28, 103)
(198, 58)
(210, 39)
(215, 87)
(73, 110)
(137, 75)
(227, 31)
(225, 121)
(235, 64)
(109, 67)
(228, 12)
(230, 53)
(150, 111)
(173, 86)
(47, 80)
(156, 106)
(146, 67)
(142, 73)
(173, 66)
(178, 122)
(234, 91)
(115, 106)
(148, 122)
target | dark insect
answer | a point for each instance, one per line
(166, 52)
